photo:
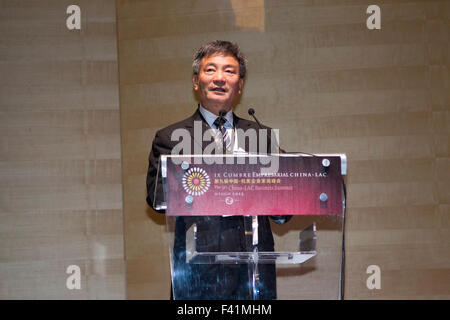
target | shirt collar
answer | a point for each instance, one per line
(211, 117)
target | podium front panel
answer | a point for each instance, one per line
(252, 185)
(212, 251)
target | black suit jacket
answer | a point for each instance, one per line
(215, 233)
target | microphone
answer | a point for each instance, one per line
(222, 114)
(251, 112)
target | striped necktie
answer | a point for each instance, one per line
(226, 134)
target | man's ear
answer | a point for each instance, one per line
(241, 84)
(195, 81)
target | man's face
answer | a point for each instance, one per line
(218, 83)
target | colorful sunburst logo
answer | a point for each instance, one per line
(196, 181)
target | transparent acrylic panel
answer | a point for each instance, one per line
(211, 280)
(306, 250)
(220, 257)
(316, 278)
(305, 262)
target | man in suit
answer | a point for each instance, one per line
(219, 70)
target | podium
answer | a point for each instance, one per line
(220, 212)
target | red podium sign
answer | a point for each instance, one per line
(302, 185)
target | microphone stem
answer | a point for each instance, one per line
(259, 124)
(251, 112)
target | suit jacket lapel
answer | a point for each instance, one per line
(190, 126)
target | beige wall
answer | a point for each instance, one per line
(60, 165)
(331, 85)
(315, 72)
